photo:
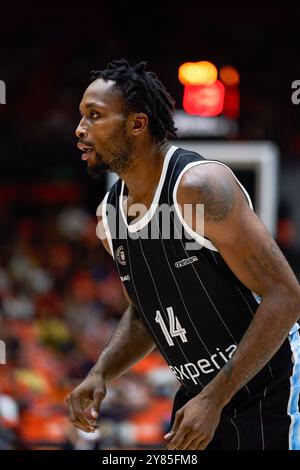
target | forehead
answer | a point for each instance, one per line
(102, 93)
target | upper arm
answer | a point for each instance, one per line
(235, 230)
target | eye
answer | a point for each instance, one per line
(94, 115)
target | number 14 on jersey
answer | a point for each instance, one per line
(175, 329)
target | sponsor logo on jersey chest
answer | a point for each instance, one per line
(185, 261)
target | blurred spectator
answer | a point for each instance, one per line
(60, 300)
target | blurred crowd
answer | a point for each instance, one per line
(60, 301)
(46, 69)
(60, 298)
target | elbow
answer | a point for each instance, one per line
(289, 297)
(286, 290)
(293, 292)
(296, 301)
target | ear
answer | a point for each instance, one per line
(138, 123)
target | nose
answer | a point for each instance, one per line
(81, 130)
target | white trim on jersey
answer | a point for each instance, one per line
(261, 425)
(145, 316)
(199, 238)
(203, 285)
(197, 275)
(149, 214)
(180, 294)
(105, 224)
(238, 434)
(162, 307)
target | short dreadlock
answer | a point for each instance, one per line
(142, 92)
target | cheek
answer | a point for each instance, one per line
(109, 135)
(101, 132)
(98, 136)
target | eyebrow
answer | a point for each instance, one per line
(92, 104)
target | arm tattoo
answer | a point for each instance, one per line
(218, 199)
(266, 262)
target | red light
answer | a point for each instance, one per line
(204, 100)
(231, 102)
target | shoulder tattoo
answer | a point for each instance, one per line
(218, 198)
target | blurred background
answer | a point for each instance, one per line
(60, 298)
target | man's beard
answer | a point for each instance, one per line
(97, 170)
(119, 149)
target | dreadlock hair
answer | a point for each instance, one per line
(142, 92)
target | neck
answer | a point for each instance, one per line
(145, 169)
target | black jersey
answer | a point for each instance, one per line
(193, 305)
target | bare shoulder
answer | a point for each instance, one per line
(235, 230)
(214, 186)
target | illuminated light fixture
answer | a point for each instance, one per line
(229, 75)
(231, 107)
(204, 100)
(197, 73)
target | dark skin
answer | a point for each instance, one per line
(108, 129)
(252, 254)
(234, 229)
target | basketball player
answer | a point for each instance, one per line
(221, 304)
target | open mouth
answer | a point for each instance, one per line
(87, 151)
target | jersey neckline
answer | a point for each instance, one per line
(150, 212)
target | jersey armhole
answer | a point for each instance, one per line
(199, 238)
(101, 212)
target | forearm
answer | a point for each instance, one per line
(129, 343)
(267, 331)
